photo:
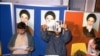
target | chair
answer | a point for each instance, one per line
(78, 46)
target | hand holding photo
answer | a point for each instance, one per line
(53, 25)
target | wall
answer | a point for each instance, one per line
(5, 26)
(82, 5)
(79, 5)
(39, 2)
(7, 23)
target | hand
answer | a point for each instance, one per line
(12, 49)
(64, 26)
(88, 55)
(28, 49)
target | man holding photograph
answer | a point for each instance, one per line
(56, 43)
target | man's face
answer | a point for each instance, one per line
(57, 33)
(90, 21)
(24, 18)
(49, 17)
(20, 31)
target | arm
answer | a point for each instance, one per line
(66, 36)
(89, 48)
(45, 36)
(66, 33)
(30, 43)
(44, 33)
(12, 42)
(91, 51)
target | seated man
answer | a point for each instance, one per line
(21, 43)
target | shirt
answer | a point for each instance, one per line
(21, 44)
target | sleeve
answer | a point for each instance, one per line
(11, 42)
(66, 35)
(45, 36)
(31, 42)
(90, 50)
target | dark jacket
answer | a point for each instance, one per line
(30, 41)
(56, 46)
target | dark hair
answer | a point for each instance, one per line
(24, 12)
(97, 42)
(92, 15)
(50, 13)
(79, 53)
(97, 47)
(21, 25)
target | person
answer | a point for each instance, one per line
(88, 30)
(94, 47)
(25, 17)
(97, 48)
(79, 53)
(56, 42)
(21, 43)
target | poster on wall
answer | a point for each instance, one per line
(82, 22)
(26, 16)
(51, 19)
(83, 26)
(91, 24)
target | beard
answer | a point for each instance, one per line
(89, 27)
